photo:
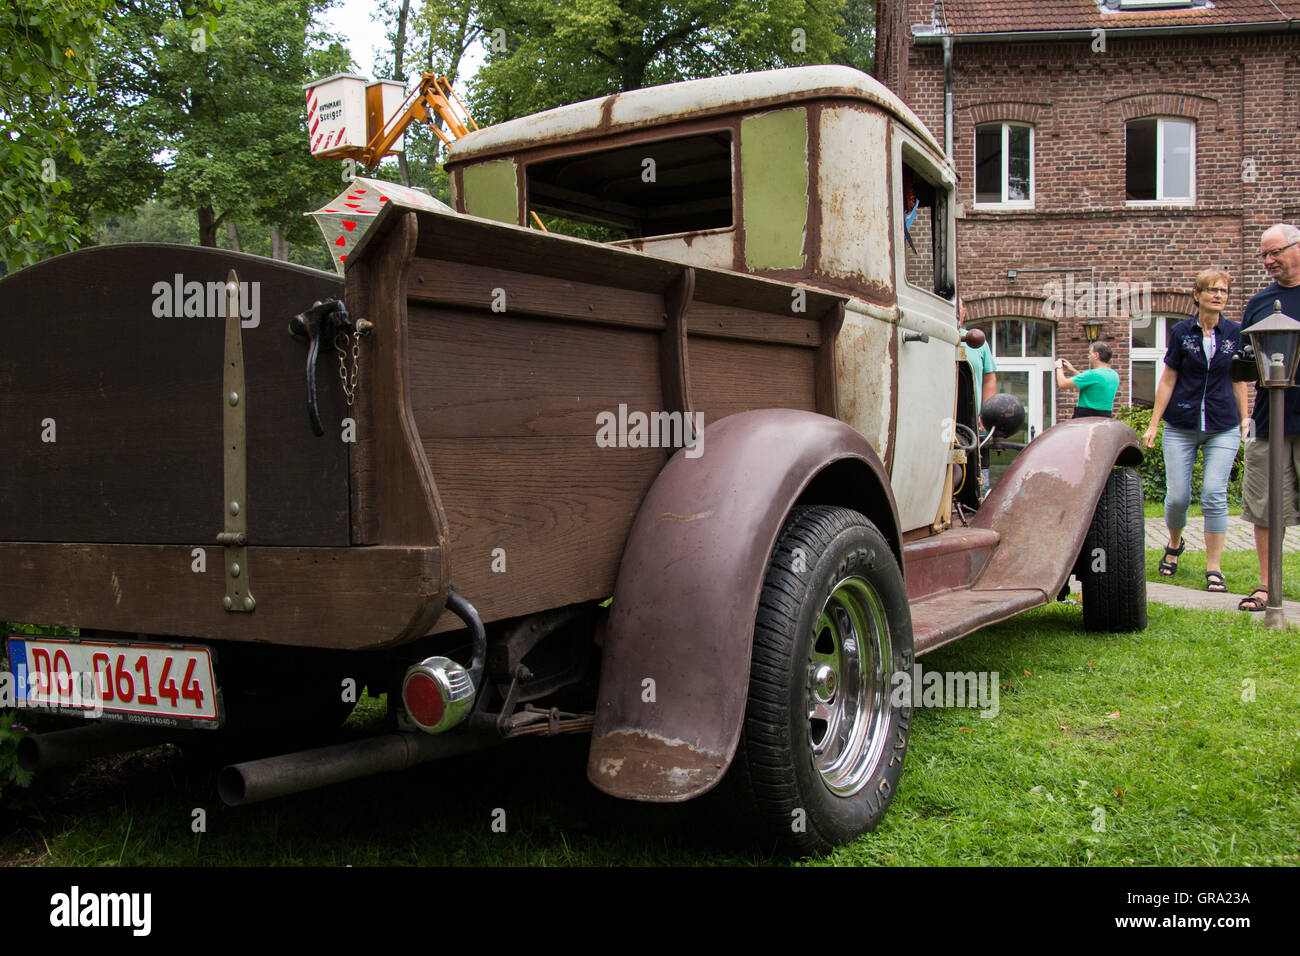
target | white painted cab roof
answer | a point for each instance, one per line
(656, 105)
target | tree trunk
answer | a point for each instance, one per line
(279, 245)
(399, 48)
(207, 227)
(232, 235)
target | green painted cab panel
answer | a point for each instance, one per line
(492, 190)
(774, 171)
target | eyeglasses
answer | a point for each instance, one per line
(1216, 291)
(1279, 250)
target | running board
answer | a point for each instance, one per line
(952, 614)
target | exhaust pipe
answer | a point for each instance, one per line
(258, 780)
(63, 748)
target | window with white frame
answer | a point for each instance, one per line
(1160, 155)
(1025, 353)
(1004, 164)
(1150, 339)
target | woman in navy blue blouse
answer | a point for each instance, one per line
(1202, 407)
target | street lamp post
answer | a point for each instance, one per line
(1276, 341)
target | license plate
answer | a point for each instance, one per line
(142, 683)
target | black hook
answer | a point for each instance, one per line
(322, 320)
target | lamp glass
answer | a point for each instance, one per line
(1275, 354)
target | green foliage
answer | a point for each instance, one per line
(11, 775)
(1079, 718)
(201, 107)
(1240, 569)
(49, 51)
(1152, 468)
(859, 35)
(542, 54)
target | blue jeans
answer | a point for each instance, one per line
(1180, 446)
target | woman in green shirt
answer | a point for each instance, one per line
(1097, 386)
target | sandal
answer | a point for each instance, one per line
(1214, 582)
(1253, 603)
(1169, 568)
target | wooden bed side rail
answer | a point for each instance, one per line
(337, 598)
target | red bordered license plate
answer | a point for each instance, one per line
(157, 684)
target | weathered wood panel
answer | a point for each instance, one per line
(558, 508)
(729, 377)
(345, 598)
(476, 287)
(481, 375)
(748, 325)
(135, 400)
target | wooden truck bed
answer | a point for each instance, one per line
(475, 461)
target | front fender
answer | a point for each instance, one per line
(1042, 506)
(675, 669)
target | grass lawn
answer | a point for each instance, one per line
(1156, 509)
(1240, 571)
(1176, 746)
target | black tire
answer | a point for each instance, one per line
(816, 782)
(1112, 564)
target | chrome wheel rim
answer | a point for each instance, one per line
(848, 700)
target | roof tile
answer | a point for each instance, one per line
(1007, 16)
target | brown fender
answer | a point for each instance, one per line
(688, 588)
(1042, 506)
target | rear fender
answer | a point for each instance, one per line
(675, 668)
(1042, 506)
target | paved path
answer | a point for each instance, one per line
(1241, 535)
(1206, 601)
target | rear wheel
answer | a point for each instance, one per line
(825, 731)
(1112, 564)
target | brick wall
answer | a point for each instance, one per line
(1242, 91)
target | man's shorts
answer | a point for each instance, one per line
(1254, 484)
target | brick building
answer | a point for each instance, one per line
(1103, 144)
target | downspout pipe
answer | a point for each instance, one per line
(947, 95)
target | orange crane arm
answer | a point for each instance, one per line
(433, 95)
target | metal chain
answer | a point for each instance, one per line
(349, 387)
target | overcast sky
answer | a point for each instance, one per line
(352, 19)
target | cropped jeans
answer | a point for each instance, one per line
(1180, 446)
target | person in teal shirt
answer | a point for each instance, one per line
(984, 375)
(982, 366)
(1097, 386)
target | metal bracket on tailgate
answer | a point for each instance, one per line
(234, 539)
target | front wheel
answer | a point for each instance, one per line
(827, 719)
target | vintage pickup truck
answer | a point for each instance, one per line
(743, 416)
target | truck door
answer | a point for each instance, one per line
(925, 279)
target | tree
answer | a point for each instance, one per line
(232, 107)
(49, 48)
(542, 54)
(202, 106)
(859, 35)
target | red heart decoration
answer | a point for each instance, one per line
(343, 258)
(349, 226)
(351, 205)
(383, 199)
(340, 241)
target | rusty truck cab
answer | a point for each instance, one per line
(777, 174)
